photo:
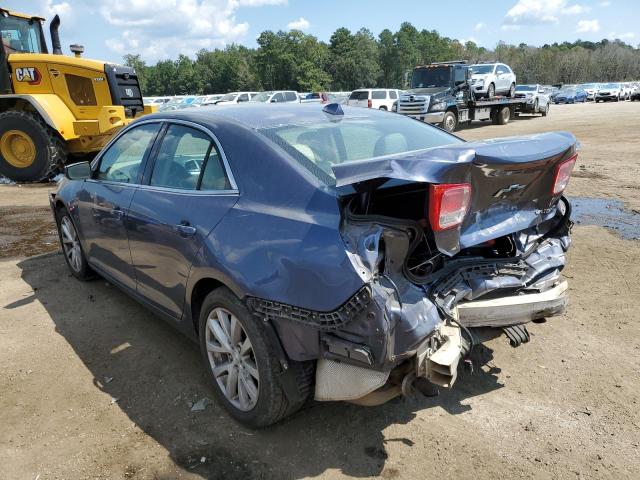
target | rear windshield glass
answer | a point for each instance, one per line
(319, 146)
(359, 95)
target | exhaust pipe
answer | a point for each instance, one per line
(56, 46)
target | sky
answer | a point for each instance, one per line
(161, 29)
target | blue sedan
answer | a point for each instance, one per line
(310, 251)
(571, 95)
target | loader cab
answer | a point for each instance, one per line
(18, 34)
(21, 33)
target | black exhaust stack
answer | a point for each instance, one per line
(55, 36)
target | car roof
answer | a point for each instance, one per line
(258, 115)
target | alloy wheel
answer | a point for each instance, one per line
(232, 359)
(71, 244)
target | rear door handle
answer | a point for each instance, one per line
(186, 230)
(117, 212)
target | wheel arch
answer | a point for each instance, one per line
(202, 287)
(49, 108)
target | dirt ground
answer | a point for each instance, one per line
(94, 386)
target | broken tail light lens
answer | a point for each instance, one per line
(563, 173)
(448, 205)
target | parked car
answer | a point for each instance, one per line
(314, 97)
(490, 79)
(609, 92)
(591, 89)
(363, 255)
(178, 103)
(379, 98)
(570, 95)
(236, 97)
(537, 99)
(288, 96)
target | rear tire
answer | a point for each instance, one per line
(269, 403)
(502, 116)
(29, 150)
(383, 108)
(512, 91)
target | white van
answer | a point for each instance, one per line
(380, 98)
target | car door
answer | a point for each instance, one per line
(503, 82)
(187, 190)
(105, 199)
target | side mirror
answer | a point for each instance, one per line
(78, 171)
(273, 100)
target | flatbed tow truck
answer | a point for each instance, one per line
(441, 94)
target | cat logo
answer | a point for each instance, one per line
(31, 75)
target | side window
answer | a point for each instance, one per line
(181, 157)
(393, 94)
(214, 176)
(243, 98)
(459, 75)
(277, 98)
(379, 94)
(501, 69)
(122, 161)
(290, 96)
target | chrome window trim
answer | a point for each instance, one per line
(225, 163)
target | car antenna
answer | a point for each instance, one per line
(335, 110)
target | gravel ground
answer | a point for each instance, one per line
(94, 386)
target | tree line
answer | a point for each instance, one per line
(298, 61)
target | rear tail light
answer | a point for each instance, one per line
(563, 173)
(369, 103)
(448, 205)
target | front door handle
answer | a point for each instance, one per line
(185, 229)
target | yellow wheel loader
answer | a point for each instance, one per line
(55, 107)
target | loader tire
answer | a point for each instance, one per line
(29, 150)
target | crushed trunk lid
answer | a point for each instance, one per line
(511, 178)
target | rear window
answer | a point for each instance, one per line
(378, 95)
(319, 146)
(359, 95)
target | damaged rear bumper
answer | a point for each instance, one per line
(515, 309)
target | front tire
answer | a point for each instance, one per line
(450, 122)
(71, 247)
(29, 150)
(545, 112)
(491, 91)
(242, 363)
